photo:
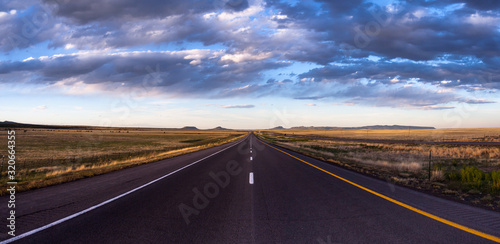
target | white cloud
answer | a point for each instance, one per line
(195, 62)
(3, 14)
(238, 106)
(233, 16)
(241, 88)
(244, 56)
(477, 19)
(279, 16)
(434, 107)
(40, 108)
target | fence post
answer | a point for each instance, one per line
(1, 167)
(430, 160)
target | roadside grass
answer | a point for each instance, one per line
(469, 173)
(51, 156)
(473, 134)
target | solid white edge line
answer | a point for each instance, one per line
(250, 178)
(31, 232)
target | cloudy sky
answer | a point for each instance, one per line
(250, 63)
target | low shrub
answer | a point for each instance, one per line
(437, 175)
(453, 176)
(495, 180)
(472, 175)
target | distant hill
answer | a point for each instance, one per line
(219, 128)
(189, 128)
(370, 127)
(278, 128)
(11, 124)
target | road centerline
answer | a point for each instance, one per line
(250, 178)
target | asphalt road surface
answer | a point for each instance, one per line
(243, 192)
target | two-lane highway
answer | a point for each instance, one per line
(251, 192)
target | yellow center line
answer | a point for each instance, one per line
(445, 221)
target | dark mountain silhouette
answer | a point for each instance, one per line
(189, 128)
(220, 128)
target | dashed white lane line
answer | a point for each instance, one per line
(251, 158)
(250, 178)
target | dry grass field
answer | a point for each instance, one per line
(474, 134)
(466, 171)
(50, 156)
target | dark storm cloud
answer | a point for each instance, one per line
(9, 67)
(26, 27)
(482, 4)
(183, 73)
(408, 31)
(443, 74)
(236, 5)
(84, 12)
(99, 24)
(341, 6)
(364, 53)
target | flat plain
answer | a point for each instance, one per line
(465, 135)
(51, 156)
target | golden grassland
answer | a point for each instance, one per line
(402, 156)
(51, 156)
(473, 134)
(468, 172)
